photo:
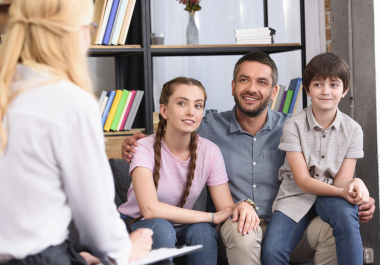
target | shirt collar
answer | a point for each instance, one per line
(313, 123)
(235, 126)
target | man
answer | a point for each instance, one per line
(248, 137)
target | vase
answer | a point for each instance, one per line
(192, 31)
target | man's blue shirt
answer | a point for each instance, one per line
(252, 162)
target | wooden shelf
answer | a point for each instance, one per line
(114, 50)
(124, 133)
(222, 49)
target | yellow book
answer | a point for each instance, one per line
(298, 97)
(275, 98)
(111, 115)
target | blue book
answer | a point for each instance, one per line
(297, 82)
(111, 20)
(111, 95)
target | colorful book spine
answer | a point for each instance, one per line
(110, 22)
(124, 111)
(104, 106)
(101, 99)
(279, 98)
(275, 98)
(133, 94)
(104, 22)
(113, 109)
(126, 22)
(298, 83)
(298, 97)
(111, 96)
(283, 101)
(288, 99)
(99, 10)
(119, 21)
(119, 110)
(133, 111)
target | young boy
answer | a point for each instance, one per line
(322, 145)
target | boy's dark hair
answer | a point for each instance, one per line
(327, 65)
(259, 57)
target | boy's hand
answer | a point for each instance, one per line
(362, 193)
(248, 219)
(127, 146)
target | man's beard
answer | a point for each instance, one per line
(252, 113)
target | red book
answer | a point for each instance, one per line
(128, 109)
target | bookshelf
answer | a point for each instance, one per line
(134, 61)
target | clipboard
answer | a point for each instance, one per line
(164, 253)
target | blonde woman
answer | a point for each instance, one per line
(52, 159)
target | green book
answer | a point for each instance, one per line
(119, 110)
(288, 100)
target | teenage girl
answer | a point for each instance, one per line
(53, 165)
(169, 171)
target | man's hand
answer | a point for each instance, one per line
(366, 211)
(127, 146)
(247, 216)
(142, 241)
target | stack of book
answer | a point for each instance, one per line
(118, 109)
(113, 18)
(254, 36)
(287, 99)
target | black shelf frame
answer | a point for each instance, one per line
(146, 54)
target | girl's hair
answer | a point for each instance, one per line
(167, 91)
(44, 35)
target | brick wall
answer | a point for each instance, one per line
(328, 25)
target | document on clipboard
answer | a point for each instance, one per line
(165, 253)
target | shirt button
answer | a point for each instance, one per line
(254, 163)
(254, 186)
(324, 136)
(323, 156)
(257, 208)
(254, 139)
(317, 175)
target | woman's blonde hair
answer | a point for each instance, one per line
(167, 91)
(44, 35)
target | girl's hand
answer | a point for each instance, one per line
(248, 218)
(362, 194)
(222, 215)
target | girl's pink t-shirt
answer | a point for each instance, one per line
(210, 170)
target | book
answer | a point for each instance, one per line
(119, 22)
(99, 10)
(298, 97)
(104, 22)
(104, 106)
(298, 83)
(111, 114)
(275, 98)
(283, 100)
(119, 110)
(254, 32)
(133, 111)
(101, 99)
(110, 22)
(288, 99)
(114, 22)
(279, 98)
(126, 22)
(128, 110)
(289, 95)
(124, 110)
(111, 96)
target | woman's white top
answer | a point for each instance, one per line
(55, 169)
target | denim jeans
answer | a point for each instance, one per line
(283, 233)
(167, 235)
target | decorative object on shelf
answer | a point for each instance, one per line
(157, 38)
(255, 36)
(191, 30)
